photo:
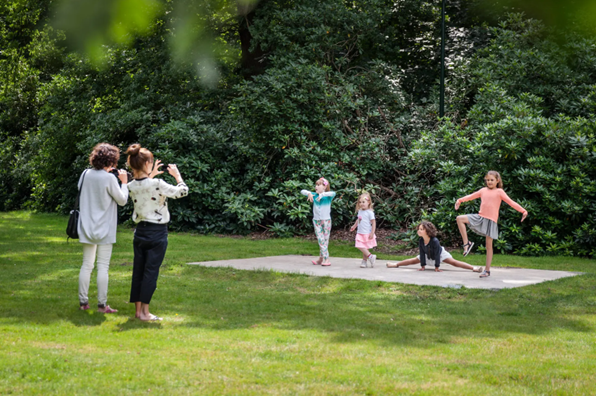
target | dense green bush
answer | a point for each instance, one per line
(278, 139)
(548, 163)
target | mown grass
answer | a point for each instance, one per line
(257, 332)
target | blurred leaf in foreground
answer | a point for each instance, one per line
(197, 28)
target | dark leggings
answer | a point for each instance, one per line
(150, 244)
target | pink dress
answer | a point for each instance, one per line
(365, 229)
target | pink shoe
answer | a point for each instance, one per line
(107, 309)
(84, 307)
(314, 262)
(326, 264)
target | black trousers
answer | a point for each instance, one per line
(150, 244)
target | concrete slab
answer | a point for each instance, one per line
(501, 278)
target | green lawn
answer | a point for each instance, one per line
(256, 332)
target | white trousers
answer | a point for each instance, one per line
(104, 253)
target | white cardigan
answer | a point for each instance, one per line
(150, 199)
(100, 196)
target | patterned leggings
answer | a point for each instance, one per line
(322, 231)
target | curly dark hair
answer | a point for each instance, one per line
(104, 155)
(429, 227)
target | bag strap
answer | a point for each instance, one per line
(79, 192)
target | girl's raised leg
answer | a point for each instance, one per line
(461, 225)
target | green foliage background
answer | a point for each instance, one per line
(345, 90)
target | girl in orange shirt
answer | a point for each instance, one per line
(485, 222)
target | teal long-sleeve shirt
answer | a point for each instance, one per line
(321, 208)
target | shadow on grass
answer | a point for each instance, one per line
(51, 315)
(85, 318)
(135, 324)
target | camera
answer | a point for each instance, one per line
(114, 172)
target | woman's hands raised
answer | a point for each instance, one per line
(171, 168)
(155, 171)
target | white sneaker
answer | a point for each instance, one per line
(372, 258)
(363, 264)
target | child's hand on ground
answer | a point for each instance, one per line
(438, 270)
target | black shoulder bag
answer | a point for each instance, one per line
(73, 221)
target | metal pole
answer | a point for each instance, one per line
(442, 93)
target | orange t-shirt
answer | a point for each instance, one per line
(491, 202)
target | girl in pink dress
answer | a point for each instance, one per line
(365, 237)
(485, 222)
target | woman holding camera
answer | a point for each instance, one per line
(99, 196)
(150, 197)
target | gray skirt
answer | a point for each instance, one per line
(483, 226)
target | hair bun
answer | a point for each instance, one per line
(138, 157)
(133, 149)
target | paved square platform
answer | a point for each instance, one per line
(501, 278)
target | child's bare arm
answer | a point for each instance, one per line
(373, 222)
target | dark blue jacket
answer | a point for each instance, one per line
(433, 250)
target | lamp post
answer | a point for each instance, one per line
(442, 89)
